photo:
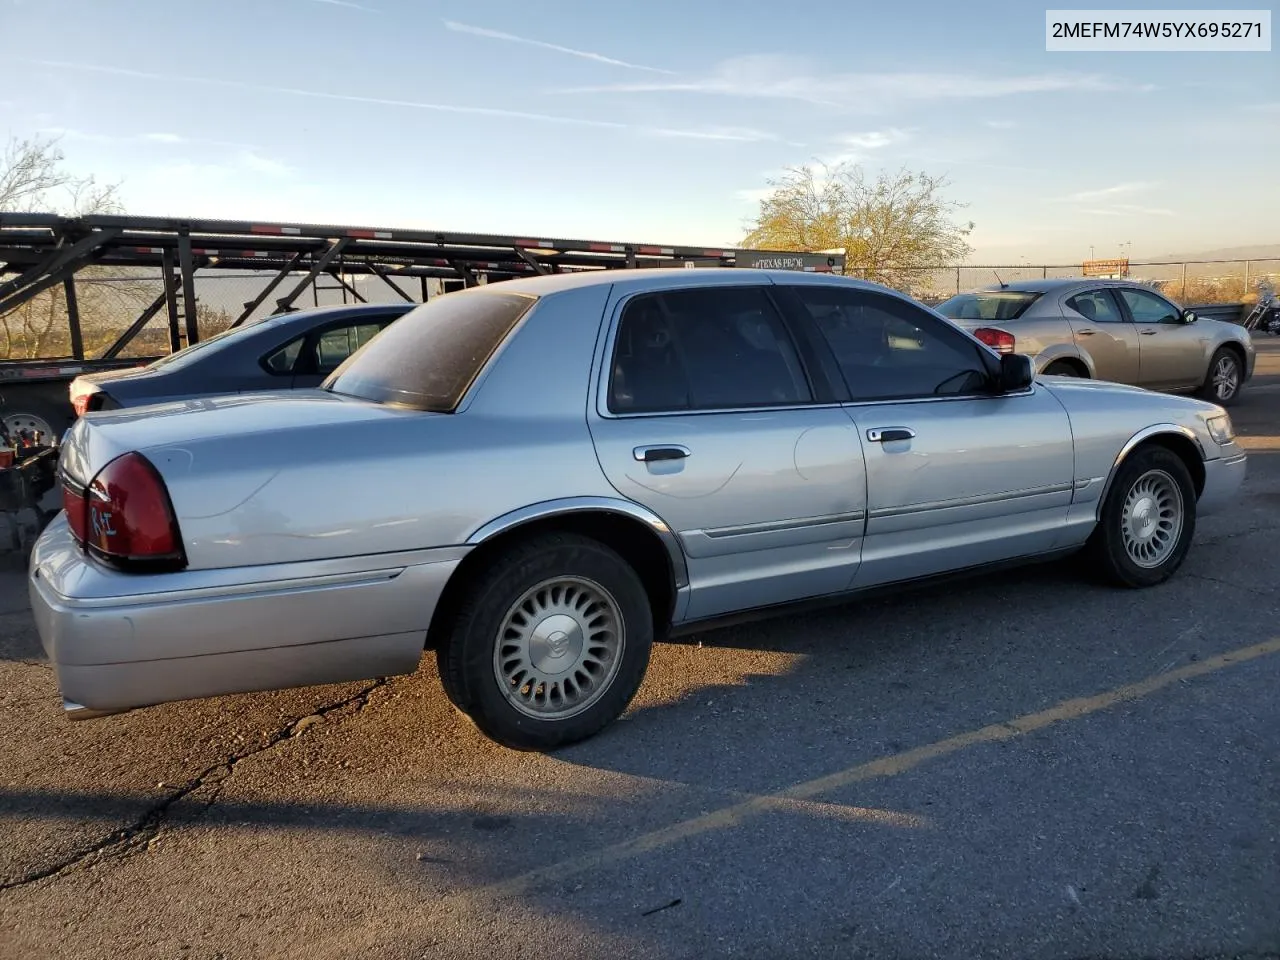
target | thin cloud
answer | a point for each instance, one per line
(570, 51)
(875, 139)
(391, 102)
(1089, 196)
(164, 137)
(774, 77)
(1128, 210)
(738, 134)
(1000, 124)
(344, 3)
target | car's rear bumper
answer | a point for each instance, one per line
(1222, 480)
(121, 641)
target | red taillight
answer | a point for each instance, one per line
(82, 403)
(125, 516)
(1001, 341)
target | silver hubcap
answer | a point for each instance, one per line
(1226, 378)
(1152, 518)
(559, 648)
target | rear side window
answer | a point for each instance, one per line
(706, 349)
(996, 305)
(428, 358)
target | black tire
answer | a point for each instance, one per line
(467, 653)
(1225, 368)
(1107, 553)
(1061, 368)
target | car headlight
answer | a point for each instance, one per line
(1220, 429)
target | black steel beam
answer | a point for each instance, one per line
(261, 298)
(189, 308)
(171, 300)
(54, 265)
(346, 286)
(318, 267)
(382, 275)
(135, 328)
(532, 261)
(73, 317)
(468, 278)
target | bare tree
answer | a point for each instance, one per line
(889, 228)
(33, 177)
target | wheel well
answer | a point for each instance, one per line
(1185, 450)
(629, 538)
(1074, 363)
(1239, 352)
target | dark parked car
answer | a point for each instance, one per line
(289, 351)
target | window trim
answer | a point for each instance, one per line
(985, 356)
(822, 394)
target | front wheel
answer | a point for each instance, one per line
(550, 643)
(1148, 520)
(1222, 382)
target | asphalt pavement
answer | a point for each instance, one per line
(1025, 765)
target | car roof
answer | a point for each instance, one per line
(319, 314)
(667, 277)
(1052, 285)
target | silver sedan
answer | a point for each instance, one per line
(536, 479)
(1114, 330)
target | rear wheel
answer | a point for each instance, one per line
(1226, 374)
(1148, 520)
(1062, 368)
(550, 642)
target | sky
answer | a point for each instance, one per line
(658, 122)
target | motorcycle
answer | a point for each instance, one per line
(1265, 315)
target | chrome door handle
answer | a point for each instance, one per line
(1148, 333)
(1085, 333)
(889, 434)
(661, 451)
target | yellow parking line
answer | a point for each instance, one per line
(890, 766)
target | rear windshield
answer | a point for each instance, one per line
(988, 305)
(428, 358)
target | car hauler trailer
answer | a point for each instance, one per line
(47, 262)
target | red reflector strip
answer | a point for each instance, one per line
(369, 234)
(663, 251)
(157, 250)
(273, 229)
(607, 247)
(254, 253)
(544, 244)
(205, 252)
(714, 253)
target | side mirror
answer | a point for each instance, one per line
(1017, 372)
(1188, 316)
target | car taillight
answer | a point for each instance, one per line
(125, 518)
(82, 403)
(1001, 341)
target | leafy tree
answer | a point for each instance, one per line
(891, 228)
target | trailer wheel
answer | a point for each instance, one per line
(35, 417)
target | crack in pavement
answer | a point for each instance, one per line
(1256, 591)
(122, 841)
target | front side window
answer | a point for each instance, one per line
(428, 358)
(890, 349)
(1146, 307)
(704, 349)
(1096, 306)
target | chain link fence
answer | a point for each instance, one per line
(111, 299)
(1191, 281)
